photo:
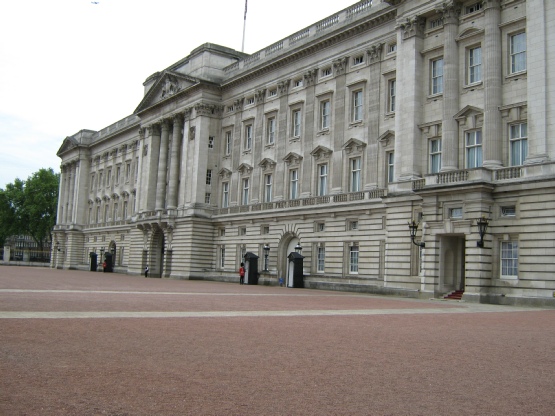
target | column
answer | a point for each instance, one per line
(177, 137)
(153, 156)
(67, 177)
(162, 167)
(72, 178)
(450, 136)
(408, 148)
(339, 71)
(493, 130)
(373, 112)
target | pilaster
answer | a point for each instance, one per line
(177, 137)
(162, 167)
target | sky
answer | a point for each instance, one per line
(68, 65)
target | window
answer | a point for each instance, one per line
(518, 52)
(230, 108)
(436, 23)
(508, 211)
(297, 123)
(321, 259)
(391, 48)
(109, 177)
(357, 105)
(298, 83)
(473, 8)
(353, 225)
(268, 188)
(322, 180)
(518, 138)
(136, 168)
(293, 184)
(265, 229)
(390, 166)
(391, 93)
(100, 184)
(357, 60)
(245, 199)
(437, 76)
(325, 111)
(207, 198)
(435, 155)
(271, 130)
(222, 232)
(242, 231)
(320, 227)
(455, 212)
(326, 72)
(211, 142)
(209, 177)
(474, 65)
(272, 93)
(222, 257)
(106, 208)
(356, 164)
(509, 259)
(473, 149)
(353, 259)
(118, 173)
(228, 142)
(127, 172)
(248, 137)
(115, 214)
(250, 101)
(225, 194)
(125, 209)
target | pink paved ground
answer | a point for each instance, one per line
(474, 360)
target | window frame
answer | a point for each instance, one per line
(354, 258)
(320, 258)
(245, 190)
(268, 185)
(225, 194)
(355, 174)
(322, 188)
(522, 141)
(357, 102)
(390, 166)
(391, 95)
(436, 78)
(469, 147)
(513, 55)
(325, 114)
(507, 263)
(271, 130)
(247, 142)
(293, 183)
(434, 154)
(296, 123)
(474, 70)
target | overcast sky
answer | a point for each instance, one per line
(67, 65)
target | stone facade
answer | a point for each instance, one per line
(335, 138)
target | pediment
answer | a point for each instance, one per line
(386, 137)
(244, 168)
(68, 144)
(468, 111)
(224, 173)
(354, 145)
(169, 84)
(292, 158)
(267, 163)
(470, 116)
(321, 152)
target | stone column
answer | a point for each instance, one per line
(281, 172)
(59, 214)
(72, 178)
(493, 128)
(339, 71)
(408, 115)
(311, 108)
(162, 167)
(153, 156)
(540, 77)
(450, 132)
(373, 114)
(67, 177)
(177, 137)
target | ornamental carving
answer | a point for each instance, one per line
(192, 132)
(339, 66)
(145, 150)
(244, 168)
(283, 86)
(238, 104)
(267, 164)
(171, 86)
(310, 77)
(321, 152)
(224, 173)
(411, 27)
(260, 95)
(375, 53)
(293, 159)
(202, 109)
(450, 11)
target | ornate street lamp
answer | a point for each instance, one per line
(482, 223)
(266, 254)
(413, 227)
(298, 248)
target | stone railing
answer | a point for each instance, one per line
(453, 176)
(508, 173)
(304, 202)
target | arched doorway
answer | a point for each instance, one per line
(156, 265)
(286, 246)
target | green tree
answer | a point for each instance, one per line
(29, 208)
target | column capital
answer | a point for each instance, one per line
(375, 52)
(450, 11)
(491, 4)
(411, 27)
(283, 86)
(339, 66)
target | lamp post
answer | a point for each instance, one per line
(482, 223)
(413, 227)
(266, 254)
(298, 248)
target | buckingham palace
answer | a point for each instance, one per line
(400, 147)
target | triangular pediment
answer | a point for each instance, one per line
(244, 168)
(267, 163)
(224, 173)
(169, 84)
(68, 144)
(468, 111)
(354, 145)
(386, 137)
(292, 158)
(321, 152)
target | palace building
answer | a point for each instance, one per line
(334, 139)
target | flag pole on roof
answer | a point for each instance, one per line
(244, 25)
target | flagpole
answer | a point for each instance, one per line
(244, 25)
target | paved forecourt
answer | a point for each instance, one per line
(92, 343)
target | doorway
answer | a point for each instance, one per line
(452, 263)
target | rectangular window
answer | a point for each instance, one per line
(353, 225)
(118, 173)
(209, 177)
(473, 149)
(435, 155)
(436, 23)
(125, 210)
(357, 105)
(326, 72)
(455, 213)
(473, 8)
(248, 137)
(273, 93)
(115, 215)
(250, 101)
(325, 112)
(109, 177)
(268, 188)
(298, 83)
(297, 123)
(508, 211)
(127, 171)
(321, 259)
(293, 184)
(100, 183)
(392, 47)
(106, 210)
(222, 257)
(391, 93)
(357, 60)
(474, 65)
(211, 142)
(356, 165)
(390, 167)
(245, 198)
(271, 130)
(518, 137)
(437, 76)
(353, 259)
(207, 198)
(228, 142)
(225, 194)
(509, 259)
(322, 180)
(518, 52)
